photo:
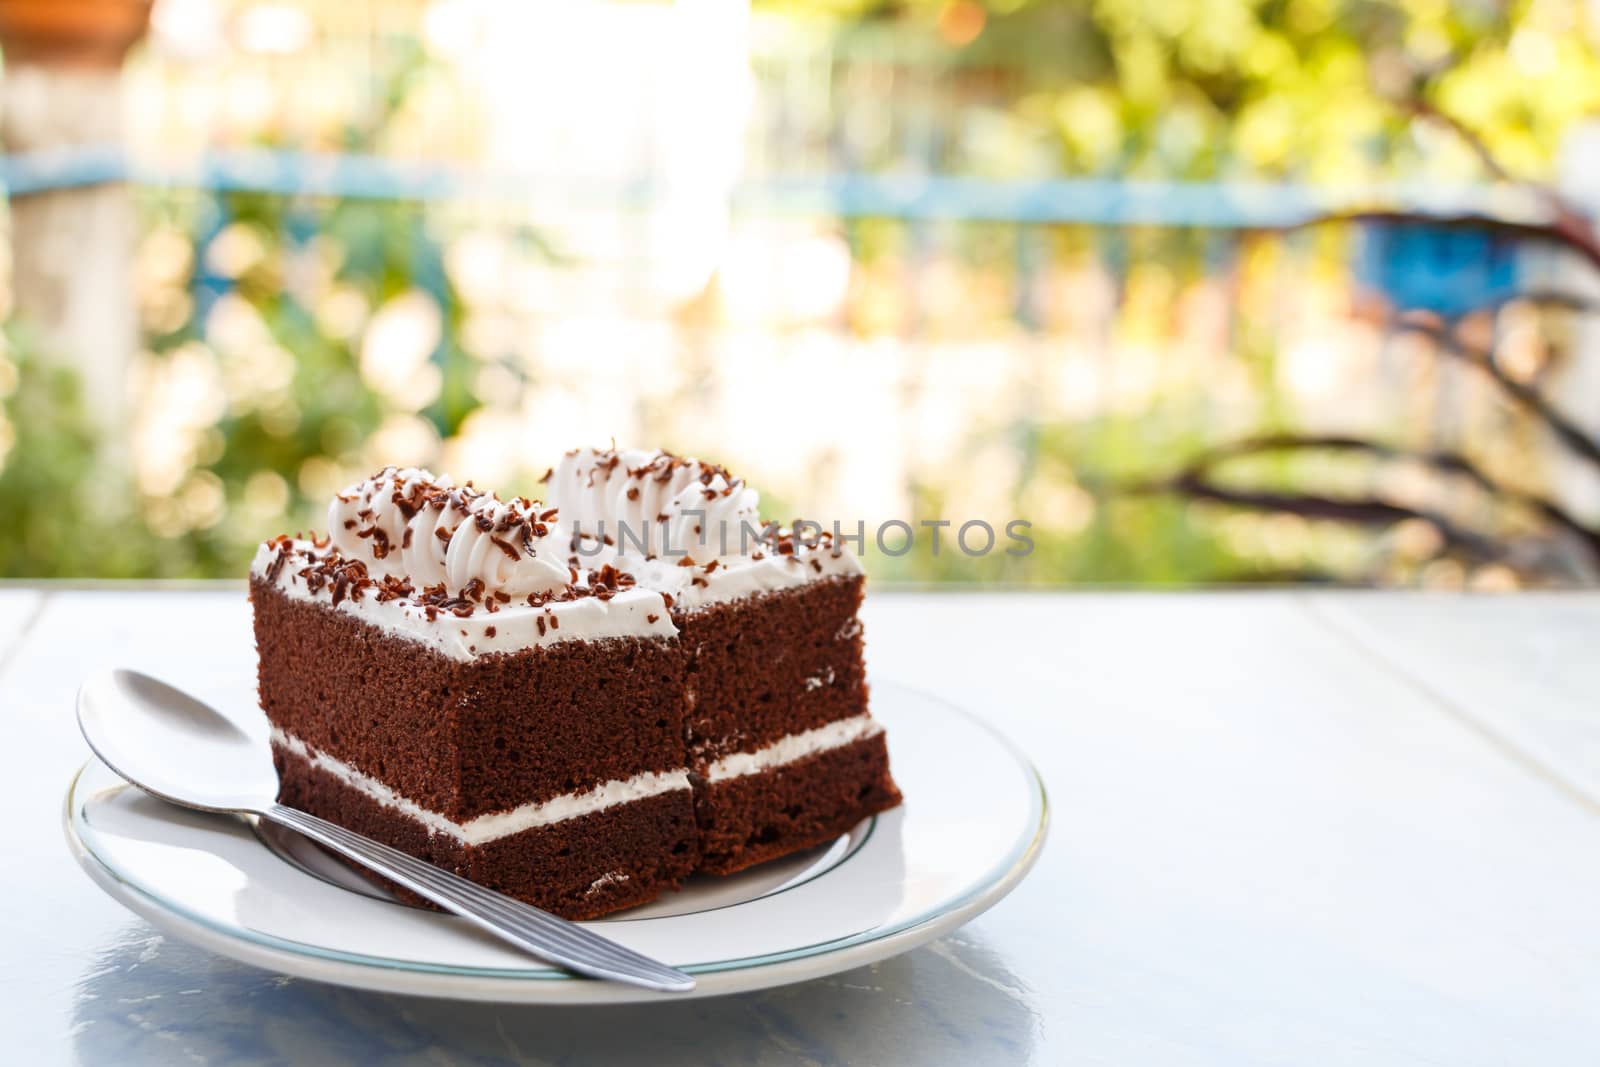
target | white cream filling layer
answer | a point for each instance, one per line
(794, 747)
(486, 828)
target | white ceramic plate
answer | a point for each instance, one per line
(972, 825)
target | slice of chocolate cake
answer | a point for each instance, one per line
(438, 677)
(782, 750)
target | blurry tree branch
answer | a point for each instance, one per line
(1566, 227)
(1564, 429)
(1198, 484)
(1198, 479)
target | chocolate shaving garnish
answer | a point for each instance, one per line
(651, 618)
(608, 579)
(540, 620)
(276, 566)
(505, 546)
(488, 631)
(391, 587)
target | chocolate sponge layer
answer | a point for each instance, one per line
(763, 668)
(464, 738)
(758, 817)
(767, 666)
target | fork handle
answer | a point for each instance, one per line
(547, 936)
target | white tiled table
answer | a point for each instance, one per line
(1311, 828)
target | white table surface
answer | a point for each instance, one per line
(1308, 828)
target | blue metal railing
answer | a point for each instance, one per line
(1096, 201)
(1416, 265)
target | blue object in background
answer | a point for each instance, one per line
(1449, 270)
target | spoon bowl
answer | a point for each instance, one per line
(174, 746)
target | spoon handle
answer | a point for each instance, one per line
(547, 936)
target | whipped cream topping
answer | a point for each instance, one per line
(627, 538)
(695, 585)
(654, 503)
(406, 523)
(686, 528)
(459, 627)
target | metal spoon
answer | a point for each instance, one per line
(176, 748)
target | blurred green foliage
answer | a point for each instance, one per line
(1318, 90)
(267, 301)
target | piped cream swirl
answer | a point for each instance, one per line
(407, 523)
(655, 499)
